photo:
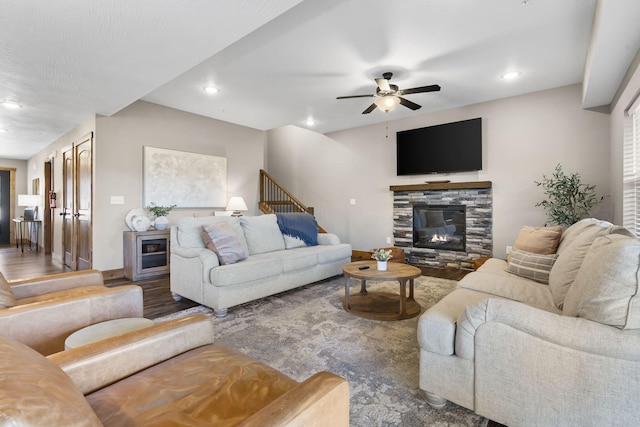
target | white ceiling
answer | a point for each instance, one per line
(279, 62)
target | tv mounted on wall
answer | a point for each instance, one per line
(446, 148)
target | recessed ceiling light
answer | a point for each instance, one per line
(11, 104)
(211, 90)
(310, 121)
(511, 75)
(3, 130)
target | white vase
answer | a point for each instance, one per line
(161, 223)
(140, 223)
(382, 265)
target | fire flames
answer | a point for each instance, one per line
(438, 238)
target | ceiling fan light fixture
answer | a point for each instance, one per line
(387, 103)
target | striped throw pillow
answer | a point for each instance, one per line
(531, 266)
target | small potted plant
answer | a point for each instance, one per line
(160, 212)
(382, 256)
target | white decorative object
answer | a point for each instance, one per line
(132, 213)
(187, 180)
(161, 223)
(140, 223)
(382, 265)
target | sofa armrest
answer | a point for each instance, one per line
(183, 252)
(571, 332)
(101, 363)
(25, 288)
(328, 239)
(321, 400)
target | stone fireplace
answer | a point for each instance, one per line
(443, 224)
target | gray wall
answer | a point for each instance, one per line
(523, 138)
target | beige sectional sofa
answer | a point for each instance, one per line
(561, 350)
(274, 262)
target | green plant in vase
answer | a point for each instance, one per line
(568, 199)
(160, 212)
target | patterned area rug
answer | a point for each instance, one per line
(306, 330)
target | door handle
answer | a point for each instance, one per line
(77, 214)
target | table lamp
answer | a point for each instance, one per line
(237, 204)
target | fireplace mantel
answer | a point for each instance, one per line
(442, 185)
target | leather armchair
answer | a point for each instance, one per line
(43, 311)
(168, 374)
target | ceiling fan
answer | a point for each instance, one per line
(389, 96)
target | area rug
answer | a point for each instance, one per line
(306, 330)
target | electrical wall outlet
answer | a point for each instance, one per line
(509, 249)
(388, 240)
(117, 200)
(352, 202)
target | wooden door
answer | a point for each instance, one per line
(5, 207)
(76, 204)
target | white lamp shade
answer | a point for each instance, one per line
(237, 204)
(28, 200)
(387, 103)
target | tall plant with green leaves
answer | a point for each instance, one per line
(568, 199)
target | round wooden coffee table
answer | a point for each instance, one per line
(380, 305)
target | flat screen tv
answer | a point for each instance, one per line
(446, 148)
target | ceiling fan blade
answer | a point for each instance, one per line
(431, 88)
(354, 96)
(370, 109)
(409, 104)
(383, 84)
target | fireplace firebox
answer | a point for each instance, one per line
(439, 226)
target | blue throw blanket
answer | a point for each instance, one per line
(299, 224)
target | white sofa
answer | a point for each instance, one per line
(275, 263)
(527, 353)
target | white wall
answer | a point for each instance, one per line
(118, 168)
(523, 138)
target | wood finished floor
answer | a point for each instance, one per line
(158, 301)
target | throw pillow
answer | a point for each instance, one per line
(262, 233)
(605, 289)
(571, 256)
(538, 240)
(7, 299)
(221, 239)
(531, 266)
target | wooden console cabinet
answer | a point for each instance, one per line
(146, 254)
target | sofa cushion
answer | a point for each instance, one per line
(7, 299)
(538, 240)
(300, 259)
(37, 392)
(224, 241)
(493, 279)
(571, 253)
(262, 233)
(208, 386)
(574, 230)
(190, 230)
(530, 265)
(252, 268)
(605, 289)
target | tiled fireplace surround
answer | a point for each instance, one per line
(478, 199)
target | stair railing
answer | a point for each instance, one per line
(274, 198)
